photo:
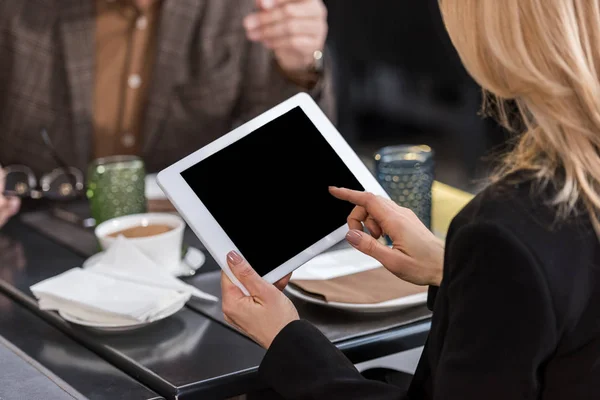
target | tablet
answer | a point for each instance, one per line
(263, 189)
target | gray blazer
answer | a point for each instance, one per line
(207, 79)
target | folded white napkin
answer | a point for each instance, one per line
(100, 298)
(125, 261)
(334, 264)
(124, 287)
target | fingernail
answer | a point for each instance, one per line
(251, 22)
(353, 237)
(268, 4)
(234, 258)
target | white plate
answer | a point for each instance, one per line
(120, 327)
(192, 261)
(386, 306)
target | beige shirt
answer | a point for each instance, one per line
(126, 42)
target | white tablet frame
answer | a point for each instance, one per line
(208, 230)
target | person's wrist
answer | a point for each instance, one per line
(308, 75)
(437, 266)
(304, 78)
(267, 343)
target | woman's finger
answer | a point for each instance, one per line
(370, 246)
(357, 217)
(283, 11)
(232, 299)
(229, 290)
(246, 274)
(295, 27)
(282, 283)
(353, 196)
(373, 228)
(376, 206)
(305, 45)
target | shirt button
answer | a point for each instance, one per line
(141, 23)
(134, 81)
(128, 140)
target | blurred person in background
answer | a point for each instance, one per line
(153, 78)
(515, 294)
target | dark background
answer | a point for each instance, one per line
(400, 81)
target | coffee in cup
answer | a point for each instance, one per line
(142, 231)
(158, 236)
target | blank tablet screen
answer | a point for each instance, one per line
(269, 190)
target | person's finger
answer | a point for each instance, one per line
(353, 196)
(292, 27)
(246, 274)
(284, 10)
(370, 246)
(268, 4)
(305, 45)
(373, 227)
(357, 216)
(231, 298)
(282, 283)
(376, 206)
(229, 291)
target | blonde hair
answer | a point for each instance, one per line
(545, 56)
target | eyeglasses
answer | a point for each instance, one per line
(60, 184)
(63, 183)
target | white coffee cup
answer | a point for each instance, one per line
(164, 248)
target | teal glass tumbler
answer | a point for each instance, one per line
(407, 173)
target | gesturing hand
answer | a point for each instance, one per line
(264, 313)
(293, 29)
(416, 255)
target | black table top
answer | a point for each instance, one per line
(186, 356)
(91, 376)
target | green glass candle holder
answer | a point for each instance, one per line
(116, 187)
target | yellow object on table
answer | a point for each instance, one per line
(446, 203)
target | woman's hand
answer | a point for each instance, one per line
(264, 313)
(416, 255)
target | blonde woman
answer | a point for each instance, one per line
(516, 294)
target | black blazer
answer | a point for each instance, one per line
(517, 315)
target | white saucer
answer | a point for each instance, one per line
(193, 260)
(103, 327)
(386, 306)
